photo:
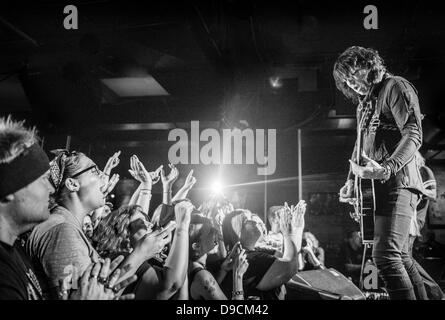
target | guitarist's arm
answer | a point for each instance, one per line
(353, 158)
(404, 106)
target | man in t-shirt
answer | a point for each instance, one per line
(24, 200)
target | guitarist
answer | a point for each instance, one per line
(391, 135)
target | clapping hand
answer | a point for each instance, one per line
(189, 181)
(298, 212)
(240, 263)
(183, 212)
(153, 243)
(285, 218)
(229, 261)
(156, 175)
(167, 181)
(138, 171)
(112, 163)
(98, 282)
(292, 218)
(111, 183)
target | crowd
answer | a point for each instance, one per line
(59, 239)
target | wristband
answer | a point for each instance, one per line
(386, 172)
(237, 293)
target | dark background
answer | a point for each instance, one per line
(215, 59)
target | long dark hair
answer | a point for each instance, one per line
(199, 224)
(357, 58)
(233, 224)
(112, 236)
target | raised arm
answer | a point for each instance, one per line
(145, 248)
(228, 263)
(135, 196)
(176, 264)
(283, 269)
(167, 184)
(139, 172)
(239, 268)
(155, 176)
(188, 185)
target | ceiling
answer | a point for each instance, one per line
(133, 71)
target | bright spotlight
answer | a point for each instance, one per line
(275, 82)
(217, 187)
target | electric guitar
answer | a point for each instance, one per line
(364, 203)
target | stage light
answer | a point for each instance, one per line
(217, 187)
(275, 82)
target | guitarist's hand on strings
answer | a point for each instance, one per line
(346, 192)
(372, 170)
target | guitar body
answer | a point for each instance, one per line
(365, 208)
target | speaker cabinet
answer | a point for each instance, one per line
(323, 284)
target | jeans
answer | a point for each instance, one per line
(394, 211)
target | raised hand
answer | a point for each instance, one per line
(156, 175)
(112, 163)
(297, 213)
(240, 263)
(345, 194)
(111, 184)
(183, 211)
(190, 180)
(167, 181)
(285, 219)
(229, 261)
(139, 173)
(97, 284)
(153, 243)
